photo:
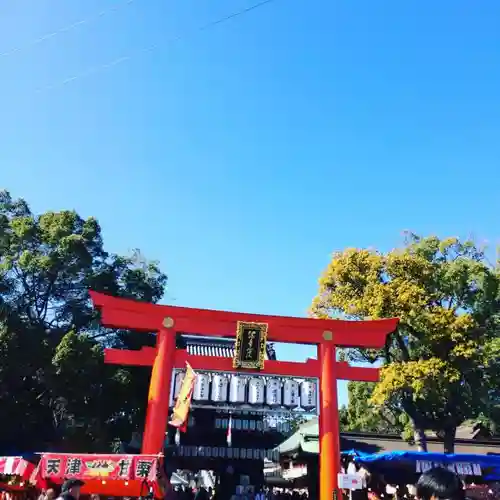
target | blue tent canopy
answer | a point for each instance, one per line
(489, 462)
(413, 456)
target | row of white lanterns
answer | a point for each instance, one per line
(227, 452)
(254, 390)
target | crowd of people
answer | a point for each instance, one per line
(435, 484)
(187, 493)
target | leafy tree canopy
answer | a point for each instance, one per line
(441, 365)
(56, 389)
(361, 415)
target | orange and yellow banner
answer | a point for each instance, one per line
(183, 404)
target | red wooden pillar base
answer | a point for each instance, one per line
(329, 458)
(159, 394)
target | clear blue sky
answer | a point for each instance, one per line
(243, 155)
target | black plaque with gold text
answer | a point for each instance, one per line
(250, 347)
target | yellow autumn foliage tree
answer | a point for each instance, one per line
(439, 367)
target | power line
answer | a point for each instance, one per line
(135, 53)
(117, 6)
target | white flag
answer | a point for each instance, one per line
(229, 437)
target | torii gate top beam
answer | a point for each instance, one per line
(125, 313)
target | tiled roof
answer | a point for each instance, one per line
(208, 346)
(306, 439)
(221, 351)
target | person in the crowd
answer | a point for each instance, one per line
(365, 477)
(351, 468)
(71, 489)
(440, 484)
(201, 494)
(260, 495)
(50, 494)
(186, 493)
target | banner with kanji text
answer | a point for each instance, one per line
(59, 467)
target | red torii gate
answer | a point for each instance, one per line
(327, 334)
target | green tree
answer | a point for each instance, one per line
(55, 387)
(441, 363)
(361, 415)
(295, 422)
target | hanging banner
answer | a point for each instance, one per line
(59, 467)
(180, 414)
(460, 468)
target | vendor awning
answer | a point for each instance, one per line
(487, 466)
(425, 460)
(16, 466)
(111, 475)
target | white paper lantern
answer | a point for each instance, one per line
(308, 395)
(273, 392)
(237, 387)
(220, 386)
(291, 394)
(256, 391)
(201, 387)
(179, 378)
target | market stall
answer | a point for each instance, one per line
(110, 475)
(404, 467)
(15, 473)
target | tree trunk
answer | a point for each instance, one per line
(449, 439)
(420, 438)
(417, 423)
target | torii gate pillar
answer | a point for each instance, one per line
(329, 456)
(166, 321)
(158, 404)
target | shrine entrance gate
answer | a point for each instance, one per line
(167, 321)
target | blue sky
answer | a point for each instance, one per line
(243, 155)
